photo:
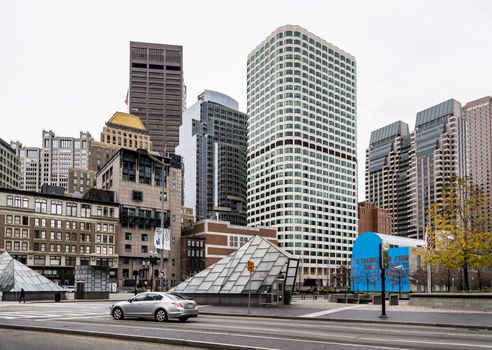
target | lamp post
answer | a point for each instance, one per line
(152, 260)
(400, 269)
(145, 265)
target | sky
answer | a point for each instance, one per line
(64, 64)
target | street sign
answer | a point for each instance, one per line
(162, 273)
(251, 266)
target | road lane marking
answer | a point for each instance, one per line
(331, 311)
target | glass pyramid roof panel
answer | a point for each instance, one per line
(230, 275)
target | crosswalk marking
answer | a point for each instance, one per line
(331, 311)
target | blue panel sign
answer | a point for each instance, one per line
(365, 271)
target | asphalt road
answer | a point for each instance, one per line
(27, 340)
(90, 323)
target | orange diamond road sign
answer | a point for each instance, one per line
(251, 266)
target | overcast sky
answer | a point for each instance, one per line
(64, 64)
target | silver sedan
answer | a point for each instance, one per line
(156, 305)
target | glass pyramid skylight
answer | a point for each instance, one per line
(231, 276)
(15, 276)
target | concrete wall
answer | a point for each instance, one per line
(232, 299)
(468, 302)
(31, 296)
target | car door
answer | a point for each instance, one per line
(134, 306)
(148, 305)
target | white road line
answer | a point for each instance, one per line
(331, 311)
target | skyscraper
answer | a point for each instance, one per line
(302, 166)
(478, 117)
(438, 153)
(9, 166)
(156, 91)
(387, 171)
(50, 164)
(214, 152)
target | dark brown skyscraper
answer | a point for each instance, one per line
(156, 91)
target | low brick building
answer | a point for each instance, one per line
(208, 241)
(374, 219)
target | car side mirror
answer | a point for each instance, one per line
(130, 300)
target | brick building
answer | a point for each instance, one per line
(374, 219)
(208, 241)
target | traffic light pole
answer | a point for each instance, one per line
(249, 294)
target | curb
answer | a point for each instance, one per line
(297, 318)
(137, 338)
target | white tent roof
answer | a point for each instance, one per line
(401, 241)
(15, 276)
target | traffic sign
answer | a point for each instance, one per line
(162, 273)
(251, 266)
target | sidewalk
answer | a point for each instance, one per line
(323, 310)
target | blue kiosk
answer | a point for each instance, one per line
(365, 271)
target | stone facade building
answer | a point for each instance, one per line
(135, 178)
(52, 234)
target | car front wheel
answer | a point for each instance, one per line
(160, 315)
(118, 313)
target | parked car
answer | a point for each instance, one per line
(157, 305)
(69, 289)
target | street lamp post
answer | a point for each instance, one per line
(152, 260)
(400, 269)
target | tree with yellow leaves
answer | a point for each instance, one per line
(458, 234)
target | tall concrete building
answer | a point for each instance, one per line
(438, 153)
(156, 91)
(50, 164)
(214, 152)
(29, 166)
(302, 166)
(387, 174)
(9, 166)
(135, 178)
(478, 117)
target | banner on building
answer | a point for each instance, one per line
(162, 240)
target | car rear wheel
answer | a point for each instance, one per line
(118, 313)
(183, 318)
(160, 315)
